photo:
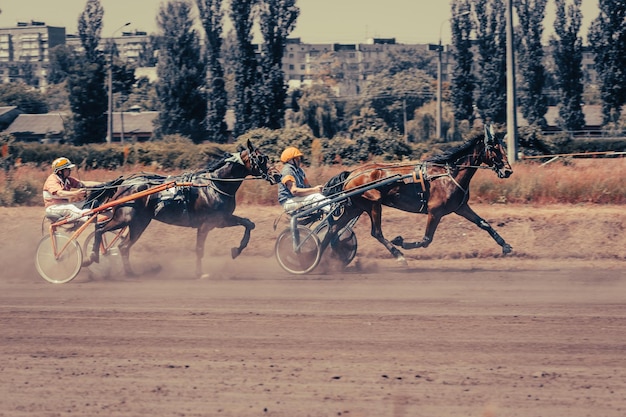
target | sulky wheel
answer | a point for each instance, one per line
(300, 260)
(110, 260)
(58, 269)
(343, 247)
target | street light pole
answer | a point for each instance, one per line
(439, 74)
(439, 49)
(511, 105)
(110, 86)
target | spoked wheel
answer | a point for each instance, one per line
(110, 260)
(301, 260)
(66, 267)
(343, 246)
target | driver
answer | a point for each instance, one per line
(294, 189)
(60, 189)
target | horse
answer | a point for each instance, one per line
(204, 200)
(436, 186)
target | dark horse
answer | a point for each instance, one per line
(206, 201)
(437, 187)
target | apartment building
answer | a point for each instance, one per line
(344, 67)
(24, 51)
(130, 45)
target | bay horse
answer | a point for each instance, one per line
(205, 202)
(437, 187)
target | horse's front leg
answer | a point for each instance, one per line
(466, 212)
(94, 256)
(248, 225)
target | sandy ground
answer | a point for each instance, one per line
(461, 331)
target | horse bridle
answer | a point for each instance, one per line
(256, 162)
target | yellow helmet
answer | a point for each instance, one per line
(61, 163)
(290, 153)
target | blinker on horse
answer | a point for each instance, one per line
(207, 203)
(435, 187)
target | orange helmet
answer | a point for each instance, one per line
(290, 153)
(61, 163)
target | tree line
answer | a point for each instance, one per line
(198, 81)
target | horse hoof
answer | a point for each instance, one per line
(398, 241)
(234, 252)
(402, 261)
(92, 258)
(507, 249)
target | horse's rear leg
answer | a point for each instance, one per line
(201, 235)
(135, 230)
(375, 214)
(431, 227)
(466, 212)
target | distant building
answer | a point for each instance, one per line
(24, 51)
(130, 45)
(42, 128)
(7, 115)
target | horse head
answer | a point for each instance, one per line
(495, 155)
(258, 164)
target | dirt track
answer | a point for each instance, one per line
(462, 331)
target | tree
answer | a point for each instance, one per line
(567, 47)
(318, 111)
(90, 29)
(245, 69)
(277, 21)
(61, 60)
(402, 59)
(607, 38)
(211, 16)
(530, 51)
(86, 79)
(491, 39)
(143, 95)
(463, 81)
(182, 74)
(148, 56)
(23, 97)
(395, 97)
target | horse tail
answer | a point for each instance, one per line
(335, 184)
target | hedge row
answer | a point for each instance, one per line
(178, 153)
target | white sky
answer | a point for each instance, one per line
(320, 21)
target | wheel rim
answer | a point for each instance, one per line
(303, 261)
(63, 269)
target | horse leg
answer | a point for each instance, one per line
(94, 256)
(201, 235)
(431, 227)
(375, 214)
(135, 230)
(466, 212)
(248, 225)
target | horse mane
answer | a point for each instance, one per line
(335, 184)
(102, 193)
(217, 164)
(457, 152)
